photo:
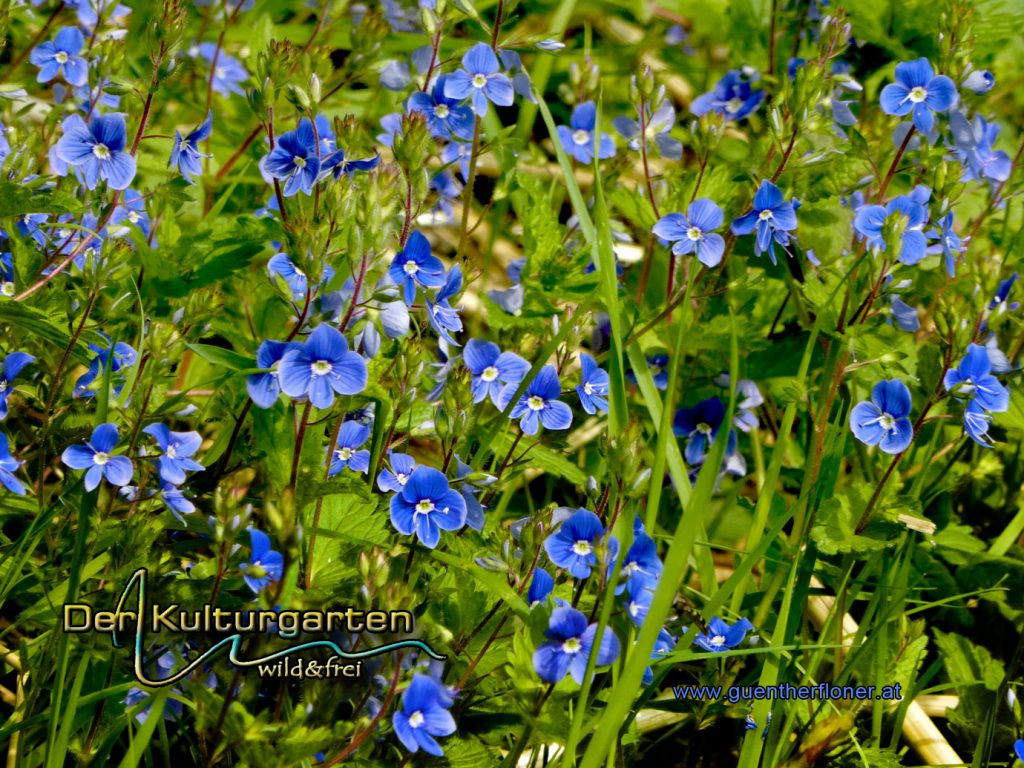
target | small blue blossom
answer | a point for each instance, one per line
(446, 117)
(424, 715)
(124, 356)
(870, 223)
(884, 420)
(98, 150)
(176, 502)
(663, 645)
(539, 404)
(492, 370)
(480, 81)
(720, 636)
(540, 587)
(8, 466)
(999, 302)
(427, 505)
(772, 217)
(178, 448)
(950, 244)
(443, 318)
(593, 386)
(732, 98)
(228, 72)
(264, 388)
(415, 266)
(641, 565)
(394, 479)
(906, 316)
(346, 453)
(700, 426)
(296, 279)
(131, 209)
(571, 641)
(917, 89)
(658, 124)
(95, 457)
(185, 154)
(265, 564)
(979, 81)
(694, 232)
(12, 366)
(972, 380)
(578, 137)
(1018, 748)
(61, 57)
(573, 545)
(975, 148)
(322, 367)
(294, 162)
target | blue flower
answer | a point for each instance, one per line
(998, 302)
(95, 457)
(175, 501)
(578, 137)
(976, 423)
(416, 265)
(918, 89)
(700, 426)
(975, 148)
(185, 153)
(732, 97)
(772, 217)
(61, 57)
(905, 315)
(12, 366)
(979, 81)
(228, 72)
(662, 645)
(469, 490)
(424, 715)
(480, 81)
(950, 244)
(446, 117)
(492, 370)
(539, 404)
(8, 466)
(883, 421)
(296, 279)
(1018, 748)
(642, 564)
(124, 356)
(572, 545)
(593, 386)
(570, 646)
(659, 122)
(131, 209)
(720, 636)
(265, 564)
(264, 388)
(540, 587)
(346, 452)
(972, 380)
(294, 162)
(444, 319)
(322, 367)
(7, 275)
(177, 448)
(394, 479)
(426, 506)
(98, 150)
(870, 223)
(694, 232)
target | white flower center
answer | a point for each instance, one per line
(185, 146)
(61, 57)
(694, 234)
(344, 453)
(410, 267)
(133, 217)
(918, 94)
(588, 388)
(765, 215)
(171, 453)
(100, 458)
(219, 73)
(535, 403)
(479, 81)
(102, 151)
(490, 374)
(718, 640)
(416, 719)
(572, 646)
(734, 105)
(580, 137)
(300, 162)
(441, 111)
(3, 385)
(321, 367)
(887, 422)
(402, 479)
(424, 507)
(7, 289)
(582, 548)
(704, 428)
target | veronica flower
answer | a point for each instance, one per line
(228, 72)
(8, 466)
(917, 89)
(392, 125)
(732, 98)
(131, 209)
(539, 404)
(976, 423)
(99, 151)
(950, 244)
(446, 117)
(870, 223)
(294, 162)
(700, 426)
(444, 319)
(394, 479)
(975, 148)
(979, 81)
(265, 564)
(7, 275)
(322, 367)
(999, 301)
(658, 124)
(492, 369)
(416, 265)
(572, 546)
(95, 457)
(61, 57)
(185, 153)
(12, 366)
(296, 279)
(972, 380)
(177, 448)
(346, 452)
(264, 388)
(593, 386)
(641, 565)
(662, 646)
(884, 420)
(540, 587)
(906, 316)
(426, 506)
(569, 646)
(176, 501)
(480, 81)
(694, 232)
(772, 217)
(124, 356)
(424, 714)
(578, 138)
(720, 636)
